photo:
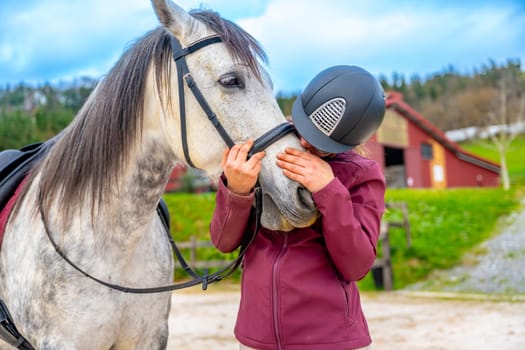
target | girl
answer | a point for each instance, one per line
(299, 288)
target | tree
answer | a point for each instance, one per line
(506, 116)
(16, 129)
(285, 103)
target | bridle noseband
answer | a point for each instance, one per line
(184, 75)
(260, 144)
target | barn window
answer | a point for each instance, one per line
(426, 151)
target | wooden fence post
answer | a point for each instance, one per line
(382, 267)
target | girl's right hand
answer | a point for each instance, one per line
(240, 172)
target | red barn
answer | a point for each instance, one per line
(415, 153)
(196, 180)
(175, 181)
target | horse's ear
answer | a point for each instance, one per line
(172, 17)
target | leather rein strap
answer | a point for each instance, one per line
(260, 144)
(204, 280)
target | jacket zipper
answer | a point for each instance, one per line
(275, 292)
(346, 303)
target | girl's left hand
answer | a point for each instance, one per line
(309, 170)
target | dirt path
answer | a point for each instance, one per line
(397, 320)
(495, 267)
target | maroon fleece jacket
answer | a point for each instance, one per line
(298, 288)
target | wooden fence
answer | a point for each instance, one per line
(193, 244)
(381, 270)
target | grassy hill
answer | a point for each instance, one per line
(515, 156)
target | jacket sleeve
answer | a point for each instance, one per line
(351, 220)
(230, 218)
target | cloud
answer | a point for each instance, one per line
(230, 9)
(46, 40)
(384, 36)
(55, 36)
(57, 39)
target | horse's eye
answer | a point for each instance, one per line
(231, 80)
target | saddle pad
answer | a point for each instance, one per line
(6, 210)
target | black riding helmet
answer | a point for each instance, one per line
(339, 109)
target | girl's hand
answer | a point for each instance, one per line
(309, 170)
(241, 173)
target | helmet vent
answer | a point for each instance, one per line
(328, 115)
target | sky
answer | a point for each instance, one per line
(60, 40)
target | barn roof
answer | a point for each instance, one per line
(394, 101)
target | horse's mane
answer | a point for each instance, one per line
(241, 44)
(90, 153)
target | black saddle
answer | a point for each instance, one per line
(15, 165)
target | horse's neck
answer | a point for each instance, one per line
(124, 231)
(141, 187)
(129, 211)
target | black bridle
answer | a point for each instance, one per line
(184, 75)
(260, 144)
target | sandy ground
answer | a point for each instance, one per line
(397, 320)
(408, 320)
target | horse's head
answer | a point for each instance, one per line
(228, 75)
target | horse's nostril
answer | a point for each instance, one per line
(305, 197)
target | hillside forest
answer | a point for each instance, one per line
(491, 94)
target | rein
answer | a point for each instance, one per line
(260, 144)
(204, 280)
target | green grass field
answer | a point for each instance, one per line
(444, 223)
